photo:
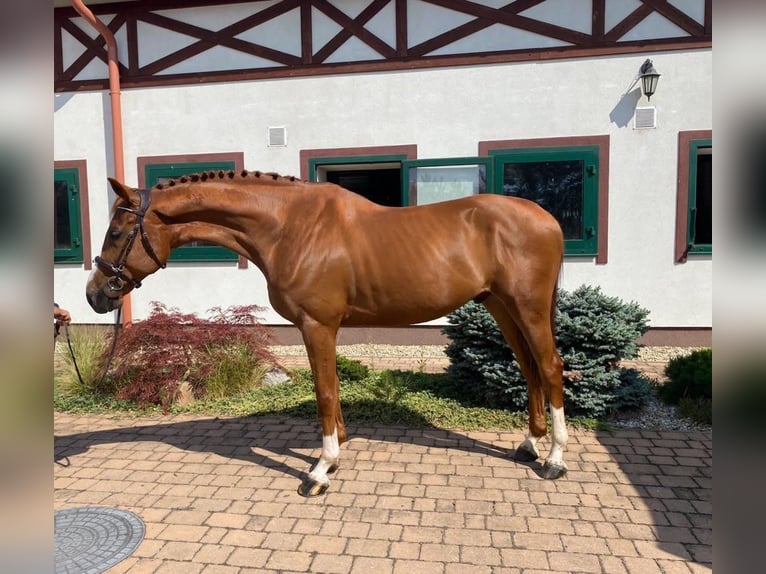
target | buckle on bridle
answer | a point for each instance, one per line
(115, 283)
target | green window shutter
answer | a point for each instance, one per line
(563, 180)
(67, 227)
(196, 251)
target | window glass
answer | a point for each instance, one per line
(700, 197)
(555, 185)
(430, 184)
(62, 236)
(432, 180)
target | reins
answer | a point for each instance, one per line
(117, 322)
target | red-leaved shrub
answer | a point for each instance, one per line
(155, 356)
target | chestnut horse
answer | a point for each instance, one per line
(333, 258)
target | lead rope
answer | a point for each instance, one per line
(111, 351)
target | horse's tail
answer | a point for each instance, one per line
(555, 298)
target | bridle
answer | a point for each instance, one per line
(116, 271)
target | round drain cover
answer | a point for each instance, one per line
(92, 539)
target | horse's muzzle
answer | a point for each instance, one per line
(99, 301)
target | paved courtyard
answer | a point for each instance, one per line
(218, 496)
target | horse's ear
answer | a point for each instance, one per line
(121, 190)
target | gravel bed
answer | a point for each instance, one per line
(655, 416)
(369, 350)
(647, 354)
(662, 354)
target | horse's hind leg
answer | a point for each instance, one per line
(533, 315)
(527, 450)
(320, 346)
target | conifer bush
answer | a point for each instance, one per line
(689, 376)
(350, 369)
(593, 333)
(223, 355)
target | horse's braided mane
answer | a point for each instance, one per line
(221, 174)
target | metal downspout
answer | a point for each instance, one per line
(114, 98)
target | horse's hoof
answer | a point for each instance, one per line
(310, 488)
(553, 470)
(525, 454)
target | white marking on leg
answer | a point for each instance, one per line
(329, 456)
(530, 444)
(559, 436)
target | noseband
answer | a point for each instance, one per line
(116, 271)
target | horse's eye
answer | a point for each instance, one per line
(115, 233)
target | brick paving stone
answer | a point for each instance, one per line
(521, 558)
(573, 562)
(323, 545)
(365, 565)
(418, 567)
(284, 560)
(365, 547)
(331, 563)
(178, 567)
(213, 554)
(612, 565)
(220, 569)
(641, 566)
(251, 557)
(440, 552)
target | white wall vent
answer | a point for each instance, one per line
(277, 136)
(645, 118)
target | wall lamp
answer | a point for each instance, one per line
(649, 78)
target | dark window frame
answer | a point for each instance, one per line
(689, 144)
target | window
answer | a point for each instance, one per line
(561, 180)
(567, 176)
(378, 178)
(373, 172)
(694, 215)
(700, 218)
(67, 221)
(432, 180)
(159, 170)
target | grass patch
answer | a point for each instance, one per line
(89, 345)
(399, 398)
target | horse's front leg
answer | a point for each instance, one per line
(320, 346)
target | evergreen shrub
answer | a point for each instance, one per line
(594, 333)
(350, 369)
(689, 376)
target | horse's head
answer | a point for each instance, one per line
(134, 247)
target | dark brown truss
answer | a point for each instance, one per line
(314, 62)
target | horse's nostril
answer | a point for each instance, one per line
(100, 303)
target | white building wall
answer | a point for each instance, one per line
(446, 112)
